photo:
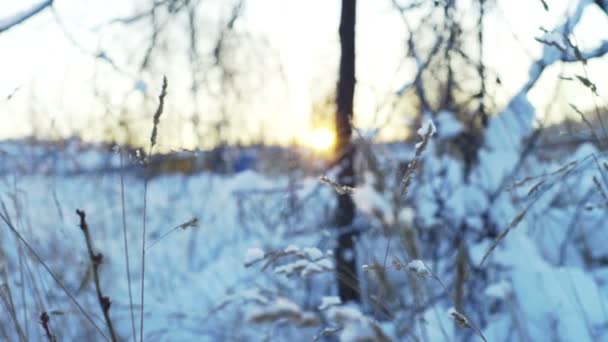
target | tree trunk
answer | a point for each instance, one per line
(348, 283)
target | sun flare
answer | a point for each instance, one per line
(321, 139)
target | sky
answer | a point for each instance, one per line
(59, 88)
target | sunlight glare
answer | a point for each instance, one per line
(321, 139)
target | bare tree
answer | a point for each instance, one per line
(345, 212)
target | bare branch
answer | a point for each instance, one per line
(553, 55)
(19, 18)
(96, 260)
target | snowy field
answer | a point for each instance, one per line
(545, 280)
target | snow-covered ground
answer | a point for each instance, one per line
(258, 264)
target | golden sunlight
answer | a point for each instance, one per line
(321, 139)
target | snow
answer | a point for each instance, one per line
(370, 202)
(311, 261)
(418, 267)
(355, 326)
(282, 309)
(8, 22)
(328, 301)
(141, 86)
(292, 249)
(312, 253)
(500, 290)
(447, 125)
(553, 39)
(253, 254)
(459, 318)
(196, 278)
(546, 278)
(428, 127)
(254, 295)
(406, 216)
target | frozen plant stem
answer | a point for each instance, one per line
(156, 120)
(96, 260)
(5, 217)
(124, 231)
(44, 321)
(190, 223)
(457, 317)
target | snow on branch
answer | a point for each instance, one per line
(552, 54)
(18, 18)
(302, 261)
(514, 124)
(282, 309)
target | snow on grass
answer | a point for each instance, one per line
(253, 255)
(199, 277)
(354, 325)
(328, 301)
(312, 253)
(282, 309)
(500, 290)
(418, 267)
(428, 127)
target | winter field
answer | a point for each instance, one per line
(461, 195)
(248, 255)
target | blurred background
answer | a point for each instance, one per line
(264, 72)
(371, 170)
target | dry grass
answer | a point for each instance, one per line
(153, 136)
(96, 261)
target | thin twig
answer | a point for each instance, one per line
(44, 321)
(459, 315)
(124, 231)
(51, 273)
(159, 111)
(502, 235)
(153, 136)
(23, 16)
(190, 223)
(96, 260)
(143, 260)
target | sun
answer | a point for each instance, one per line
(321, 139)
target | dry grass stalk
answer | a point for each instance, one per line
(8, 305)
(535, 187)
(192, 223)
(281, 310)
(96, 260)
(461, 275)
(462, 321)
(600, 189)
(156, 120)
(421, 269)
(159, 112)
(340, 189)
(414, 164)
(126, 243)
(587, 122)
(502, 235)
(5, 217)
(44, 321)
(459, 318)
(565, 169)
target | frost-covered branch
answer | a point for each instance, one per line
(514, 124)
(18, 18)
(552, 54)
